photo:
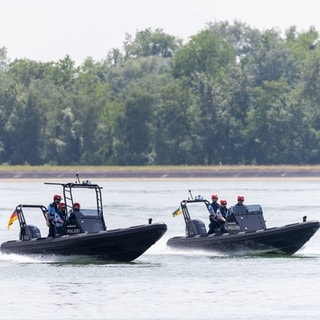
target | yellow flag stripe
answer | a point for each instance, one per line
(12, 219)
(176, 212)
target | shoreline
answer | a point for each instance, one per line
(158, 172)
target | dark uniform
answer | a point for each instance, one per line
(213, 222)
(213, 208)
(214, 204)
(222, 214)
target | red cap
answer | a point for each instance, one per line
(61, 205)
(56, 196)
(223, 202)
(240, 198)
(214, 196)
(76, 205)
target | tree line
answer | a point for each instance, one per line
(232, 94)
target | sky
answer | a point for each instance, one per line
(48, 30)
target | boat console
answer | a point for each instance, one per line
(248, 217)
(86, 221)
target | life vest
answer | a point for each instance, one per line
(62, 216)
(225, 212)
(52, 210)
(215, 206)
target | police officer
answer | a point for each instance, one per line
(60, 219)
(222, 215)
(51, 212)
(214, 204)
(240, 200)
(223, 209)
(213, 218)
(73, 214)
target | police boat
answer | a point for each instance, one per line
(86, 234)
(245, 232)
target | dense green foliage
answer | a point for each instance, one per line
(231, 95)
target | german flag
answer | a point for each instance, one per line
(176, 212)
(12, 219)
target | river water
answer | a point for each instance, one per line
(166, 284)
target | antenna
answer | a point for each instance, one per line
(190, 194)
(77, 175)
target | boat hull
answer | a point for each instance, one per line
(280, 240)
(124, 244)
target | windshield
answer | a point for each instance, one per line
(198, 210)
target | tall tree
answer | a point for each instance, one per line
(151, 43)
(132, 132)
(23, 129)
(172, 134)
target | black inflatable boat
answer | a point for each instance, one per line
(86, 234)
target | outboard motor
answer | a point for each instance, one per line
(198, 227)
(34, 233)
